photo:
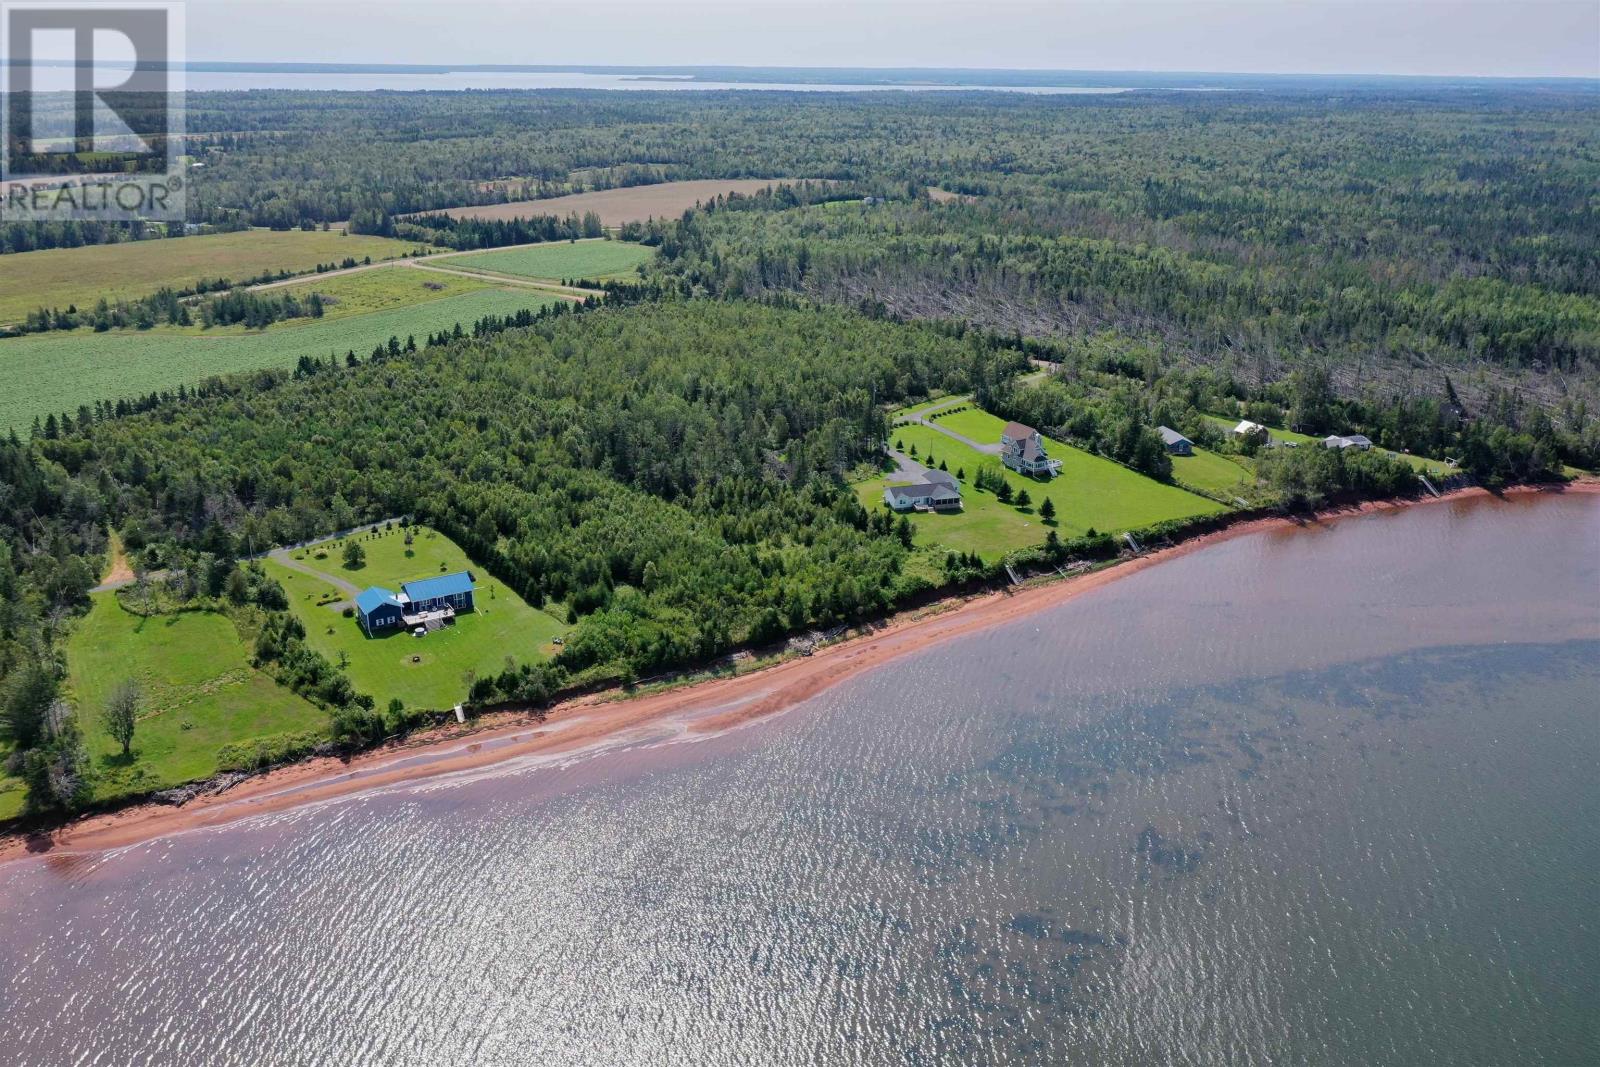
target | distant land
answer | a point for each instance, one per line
(901, 77)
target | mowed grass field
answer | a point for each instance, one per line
(427, 672)
(1210, 472)
(1206, 471)
(199, 694)
(595, 260)
(1091, 493)
(617, 206)
(59, 277)
(55, 372)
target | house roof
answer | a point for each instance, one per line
(1016, 431)
(1172, 437)
(371, 599)
(1246, 426)
(443, 585)
(936, 485)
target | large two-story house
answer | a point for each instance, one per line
(1022, 449)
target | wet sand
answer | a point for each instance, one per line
(589, 722)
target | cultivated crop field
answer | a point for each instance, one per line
(502, 627)
(593, 260)
(58, 277)
(59, 371)
(617, 206)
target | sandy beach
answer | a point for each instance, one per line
(586, 722)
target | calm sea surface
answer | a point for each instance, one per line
(1319, 797)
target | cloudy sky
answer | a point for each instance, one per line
(1478, 37)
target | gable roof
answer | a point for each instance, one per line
(944, 478)
(926, 491)
(1017, 432)
(1173, 437)
(373, 598)
(443, 585)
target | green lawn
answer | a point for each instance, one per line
(1211, 472)
(58, 277)
(503, 625)
(59, 371)
(199, 694)
(1091, 492)
(595, 260)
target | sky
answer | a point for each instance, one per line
(1437, 37)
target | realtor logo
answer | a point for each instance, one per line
(91, 109)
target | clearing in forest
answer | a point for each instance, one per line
(431, 672)
(618, 206)
(199, 693)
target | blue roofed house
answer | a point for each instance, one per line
(378, 609)
(429, 603)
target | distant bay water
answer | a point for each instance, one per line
(221, 81)
(1321, 796)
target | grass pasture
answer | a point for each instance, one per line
(59, 277)
(594, 260)
(62, 370)
(503, 626)
(384, 289)
(199, 694)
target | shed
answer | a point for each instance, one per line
(1176, 443)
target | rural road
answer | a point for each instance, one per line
(988, 450)
(282, 557)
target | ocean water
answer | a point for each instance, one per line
(1324, 796)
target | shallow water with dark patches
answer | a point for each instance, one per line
(1324, 796)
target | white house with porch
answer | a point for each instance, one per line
(938, 491)
(1022, 449)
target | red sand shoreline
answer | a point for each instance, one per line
(584, 722)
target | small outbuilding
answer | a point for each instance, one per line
(1176, 443)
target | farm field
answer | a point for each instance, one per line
(503, 626)
(64, 370)
(61, 276)
(594, 260)
(383, 289)
(1091, 493)
(617, 206)
(199, 694)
